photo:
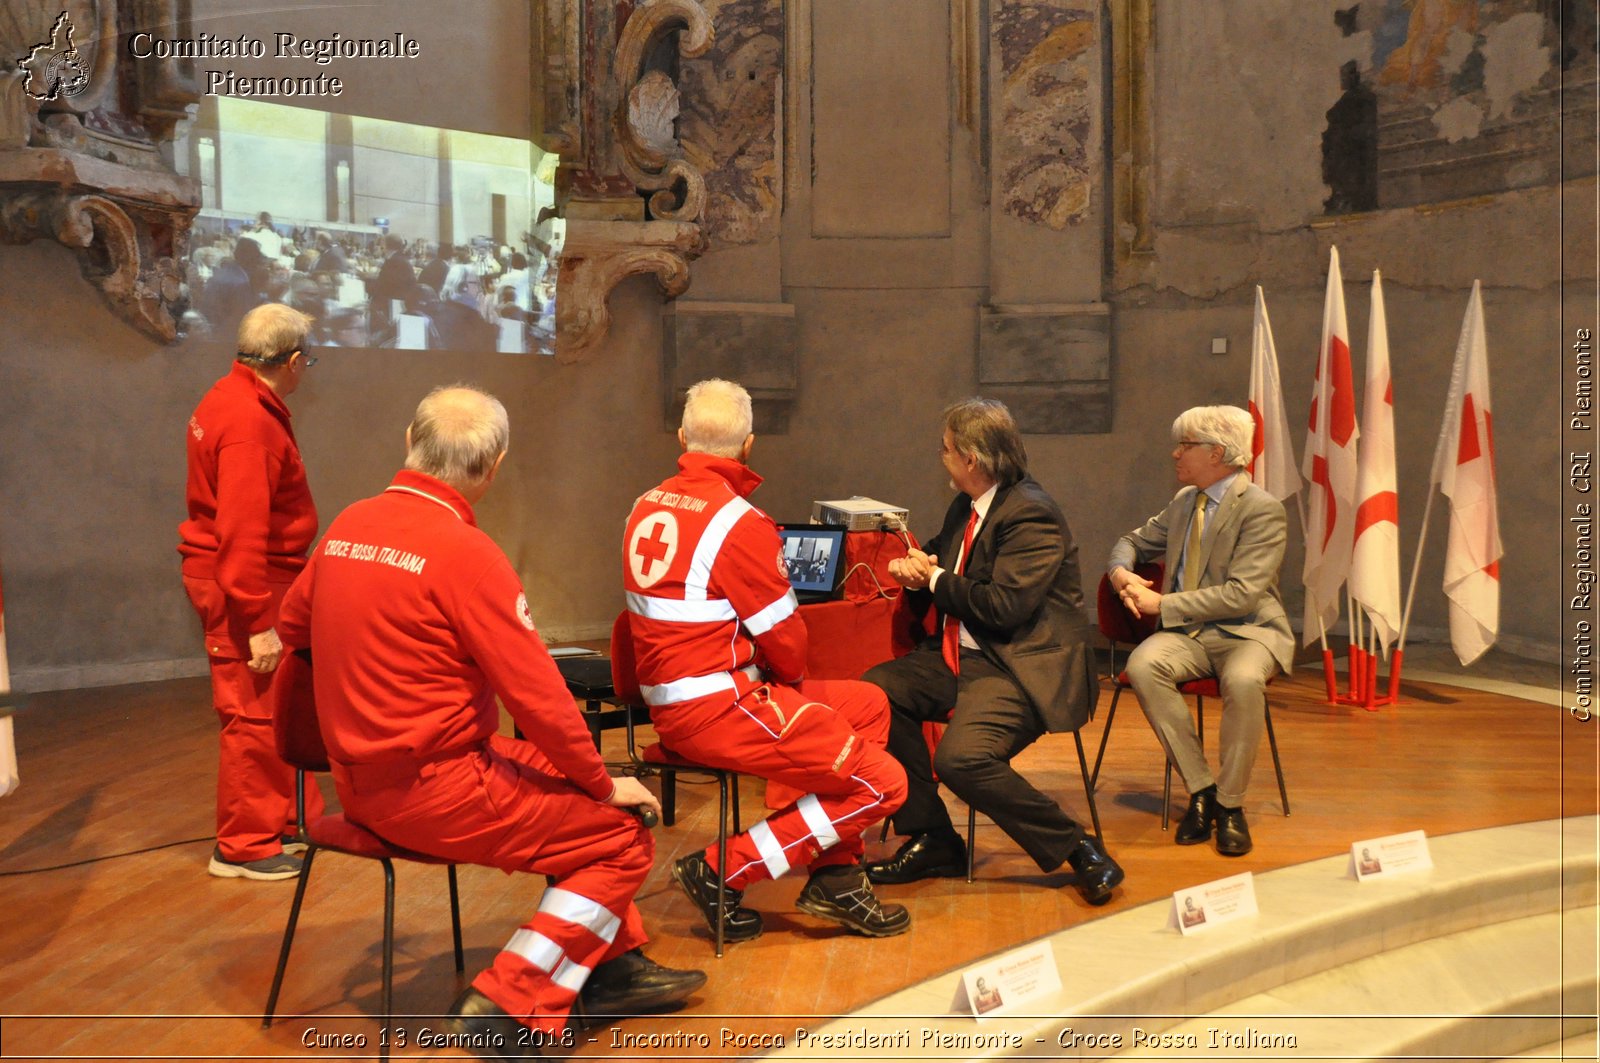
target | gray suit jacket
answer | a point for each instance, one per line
(1242, 552)
(1021, 599)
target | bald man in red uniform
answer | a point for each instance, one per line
(250, 523)
(416, 622)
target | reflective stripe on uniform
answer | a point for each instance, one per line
(694, 686)
(710, 545)
(576, 908)
(536, 949)
(821, 826)
(674, 611)
(771, 851)
(773, 615)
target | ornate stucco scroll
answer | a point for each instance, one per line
(631, 199)
(80, 149)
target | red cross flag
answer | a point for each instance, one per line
(1271, 453)
(1463, 467)
(1330, 465)
(1375, 565)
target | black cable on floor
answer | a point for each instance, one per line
(108, 856)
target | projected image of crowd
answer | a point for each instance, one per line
(374, 289)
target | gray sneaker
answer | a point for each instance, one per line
(267, 869)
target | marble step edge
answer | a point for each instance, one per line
(1482, 993)
(1314, 916)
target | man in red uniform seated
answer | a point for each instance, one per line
(250, 523)
(721, 654)
(416, 622)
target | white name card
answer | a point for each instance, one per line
(1207, 906)
(1007, 982)
(1395, 854)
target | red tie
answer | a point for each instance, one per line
(952, 626)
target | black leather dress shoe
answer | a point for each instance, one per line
(1098, 874)
(922, 856)
(486, 1030)
(1195, 827)
(632, 983)
(1233, 835)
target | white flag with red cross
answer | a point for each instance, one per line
(1271, 452)
(1329, 465)
(1463, 467)
(1375, 564)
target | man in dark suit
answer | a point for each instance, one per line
(1221, 539)
(1011, 660)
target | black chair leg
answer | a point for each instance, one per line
(1277, 765)
(455, 919)
(733, 781)
(1105, 736)
(388, 957)
(1166, 797)
(288, 934)
(669, 797)
(722, 859)
(972, 841)
(1088, 783)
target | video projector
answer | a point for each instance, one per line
(858, 513)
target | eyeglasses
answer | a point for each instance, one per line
(309, 359)
(1185, 444)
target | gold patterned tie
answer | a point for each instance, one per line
(1191, 553)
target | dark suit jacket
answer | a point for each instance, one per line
(1021, 599)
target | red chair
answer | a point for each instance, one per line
(1120, 627)
(299, 740)
(658, 759)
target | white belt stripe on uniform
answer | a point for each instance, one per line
(694, 686)
(672, 610)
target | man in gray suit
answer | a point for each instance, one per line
(1011, 660)
(1220, 614)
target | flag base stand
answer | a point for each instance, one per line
(1363, 674)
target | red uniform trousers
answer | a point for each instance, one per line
(499, 805)
(255, 788)
(822, 740)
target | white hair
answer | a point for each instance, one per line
(717, 418)
(1228, 427)
(457, 435)
(271, 332)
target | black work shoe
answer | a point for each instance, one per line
(1233, 835)
(844, 895)
(632, 983)
(486, 1030)
(1195, 827)
(700, 883)
(1098, 874)
(931, 855)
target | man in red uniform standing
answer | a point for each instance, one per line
(251, 520)
(416, 622)
(721, 654)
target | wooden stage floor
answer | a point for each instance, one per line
(144, 956)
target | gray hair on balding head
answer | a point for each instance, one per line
(457, 435)
(271, 332)
(717, 418)
(1228, 427)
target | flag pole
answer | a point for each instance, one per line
(1411, 593)
(1328, 678)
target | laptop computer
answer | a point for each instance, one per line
(814, 555)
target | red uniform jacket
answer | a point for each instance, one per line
(707, 588)
(251, 518)
(416, 621)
